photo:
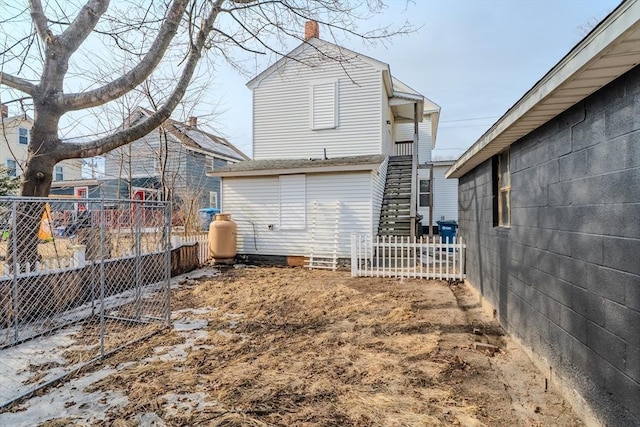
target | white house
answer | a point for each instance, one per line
(15, 134)
(437, 195)
(335, 152)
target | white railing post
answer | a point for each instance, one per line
(354, 254)
(385, 256)
(79, 255)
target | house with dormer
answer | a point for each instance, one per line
(338, 144)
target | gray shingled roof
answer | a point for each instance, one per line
(195, 138)
(280, 164)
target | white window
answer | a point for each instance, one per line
(324, 105)
(213, 199)
(59, 174)
(12, 168)
(425, 192)
(293, 202)
(23, 136)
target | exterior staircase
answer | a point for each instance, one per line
(395, 215)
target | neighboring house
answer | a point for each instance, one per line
(15, 134)
(81, 188)
(331, 130)
(445, 195)
(177, 155)
(550, 213)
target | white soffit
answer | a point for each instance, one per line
(610, 50)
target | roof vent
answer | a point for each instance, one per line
(193, 122)
(311, 30)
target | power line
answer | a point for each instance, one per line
(468, 120)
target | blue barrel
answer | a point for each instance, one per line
(447, 230)
(206, 216)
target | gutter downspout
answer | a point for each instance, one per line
(414, 174)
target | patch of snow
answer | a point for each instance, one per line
(187, 324)
(192, 331)
(186, 402)
(204, 310)
(68, 401)
(16, 361)
(149, 419)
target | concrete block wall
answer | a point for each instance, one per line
(565, 277)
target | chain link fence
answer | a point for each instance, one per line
(79, 279)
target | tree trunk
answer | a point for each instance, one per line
(36, 182)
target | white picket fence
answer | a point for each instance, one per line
(400, 256)
(201, 239)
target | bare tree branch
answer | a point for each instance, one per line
(82, 26)
(124, 136)
(17, 83)
(139, 73)
(40, 21)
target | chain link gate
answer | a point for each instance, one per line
(79, 280)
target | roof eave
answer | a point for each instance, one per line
(297, 170)
(316, 44)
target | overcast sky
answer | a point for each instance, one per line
(473, 58)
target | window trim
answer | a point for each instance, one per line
(504, 191)
(14, 168)
(77, 192)
(211, 205)
(420, 193)
(336, 96)
(55, 173)
(26, 137)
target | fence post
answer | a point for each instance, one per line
(102, 277)
(167, 255)
(137, 239)
(354, 253)
(79, 255)
(16, 305)
(463, 249)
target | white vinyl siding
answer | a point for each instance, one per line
(292, 202)
(254, 203)
(282, 123)
(445, 196)
(387, 124)
(70, 169)
(324, 105)
(404, 132)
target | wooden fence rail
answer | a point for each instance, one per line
(201, 239)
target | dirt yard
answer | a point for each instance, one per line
(292, 347)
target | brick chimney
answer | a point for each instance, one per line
(193, 121)
(311, 29)
(4, 111)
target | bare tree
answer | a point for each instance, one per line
(50, 45)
